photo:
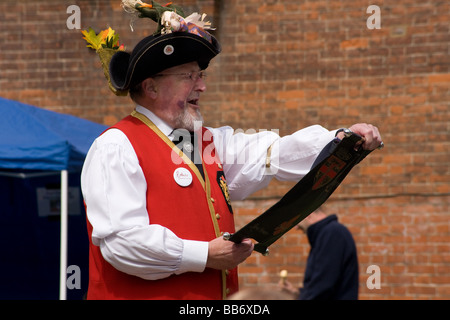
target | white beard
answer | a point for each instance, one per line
(187, 120)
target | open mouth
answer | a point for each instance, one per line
(193, 102)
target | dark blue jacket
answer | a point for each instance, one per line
(332, 266)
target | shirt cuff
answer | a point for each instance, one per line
(194, 256)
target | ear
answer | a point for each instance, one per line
(150, 87)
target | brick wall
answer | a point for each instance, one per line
(290, 64)
(286, 65)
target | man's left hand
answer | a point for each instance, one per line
(370, 133)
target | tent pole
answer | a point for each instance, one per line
(63, 249)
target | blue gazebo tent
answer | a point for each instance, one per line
(41, 156)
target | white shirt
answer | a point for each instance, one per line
(114, 189)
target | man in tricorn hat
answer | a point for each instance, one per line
(154, 184)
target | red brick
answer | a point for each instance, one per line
(354, 44)
(292, 94)
(439, 78)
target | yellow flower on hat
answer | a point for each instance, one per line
(104, 39)
(106, 44)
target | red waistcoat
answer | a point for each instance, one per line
(200, 211)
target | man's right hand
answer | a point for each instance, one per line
(224, 254)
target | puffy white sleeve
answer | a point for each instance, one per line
(114, 190)
(251, 160)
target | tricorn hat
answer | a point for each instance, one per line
(154, 54)
(177, 41)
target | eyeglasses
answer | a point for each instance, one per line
(194, 76)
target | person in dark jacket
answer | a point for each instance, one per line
(332, 266)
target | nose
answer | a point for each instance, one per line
(200, 85)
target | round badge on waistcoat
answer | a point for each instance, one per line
(182, 176)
